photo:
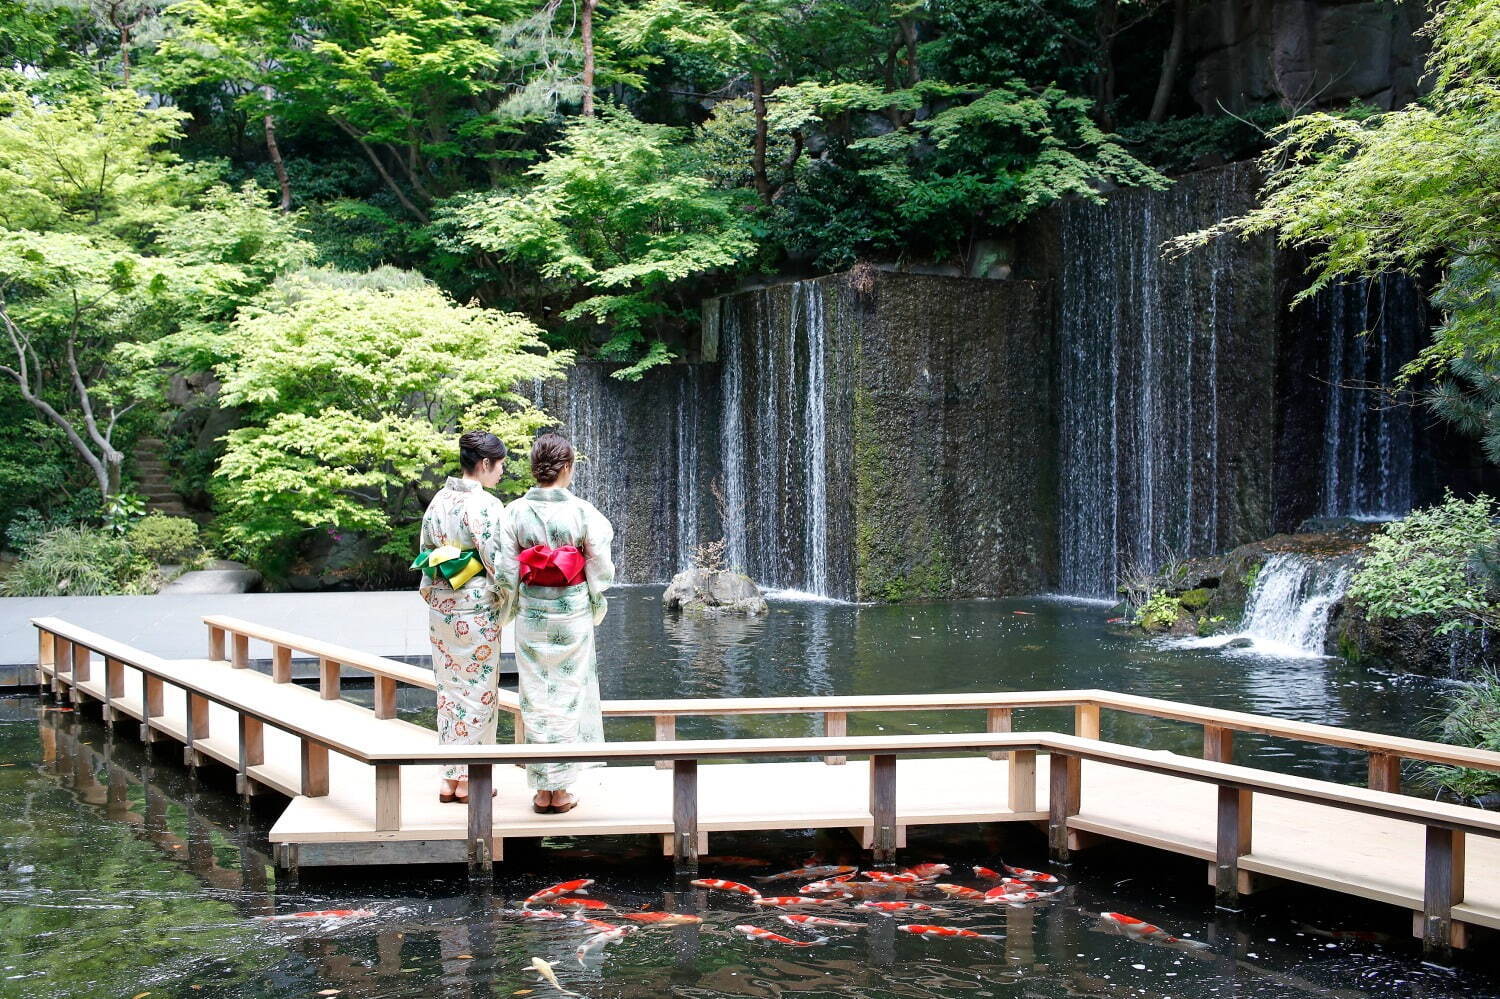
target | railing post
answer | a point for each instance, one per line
(385, 697)
(215, 643)
(666, 731)
(152, 696)
(518, 726)
(1064, 798)
(197, 728)
(1385, 772)
(328, 679)
(998, 720)
(82, 657)
(45, 654)
(1218, 744)
(1443, 888)
(1233, 842)
(252, 752)
(481, 822)
(684, 816)
(388, 796)
(1022, 793)
(1086, 721)
(241, 657)
(835, 725)
(314, 769)
(883, 807)
(281, 664)
(114, 686)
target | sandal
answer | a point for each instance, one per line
(540, 809)
(557, 809)
(447, 796)
(463, 799)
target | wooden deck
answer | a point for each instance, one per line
(361, 782)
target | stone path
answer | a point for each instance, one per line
(156, 485)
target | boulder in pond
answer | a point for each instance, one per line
(712, 592)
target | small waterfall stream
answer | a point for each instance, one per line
(1287, 612)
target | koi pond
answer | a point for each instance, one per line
(122, 875)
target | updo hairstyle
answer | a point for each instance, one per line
(477, 445)
(550, 457)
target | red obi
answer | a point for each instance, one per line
(543, 566)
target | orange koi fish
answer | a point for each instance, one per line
(581, 903)
(886, 878)
(947, 931)
(800, 919)
(960, 892)
(662, 918)
(790, 900)
(1026, 875)
(321, 914)
(987, 874)
(756, 933)
(803, 873)
(557, 891)
(897, 907)
(720, 885)
(1139, 929)
(927, 872)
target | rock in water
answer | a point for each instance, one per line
(713, 591)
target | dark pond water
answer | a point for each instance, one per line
(121, 875)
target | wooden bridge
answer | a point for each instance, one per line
(362, 781)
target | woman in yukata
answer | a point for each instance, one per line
(461, 566)
(556, 567)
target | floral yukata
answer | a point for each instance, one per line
(559, 684)
(465, 622)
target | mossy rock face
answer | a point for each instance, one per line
(1196, 600)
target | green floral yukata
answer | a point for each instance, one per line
(559, 684)
(465, 623)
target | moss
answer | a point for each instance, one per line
(1196, 600)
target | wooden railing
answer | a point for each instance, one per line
(64, 660)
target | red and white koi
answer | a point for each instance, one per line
(1139, 929)
(540, 914)
(987, 874)
(601, 925)
(1016, 898)
(960, 893)
(835, 883)
(756, 933)
(320, 914)
(803, 873)
(887, 878)
(719, 885)
(801, 919)
(787, 901)
(662, 918)
(1038, 876)
(557, 891)
(581, 903)
(927, 930)
(599, 940)
(927, 872)
(897, 907)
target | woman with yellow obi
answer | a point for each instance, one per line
(461, 533)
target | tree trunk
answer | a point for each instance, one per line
(1170, 60)
(587, 30)
(1107, 25)
(385, 175)
(125, 55)
(758, 160)
(274, 151)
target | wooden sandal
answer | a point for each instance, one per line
(563, 809)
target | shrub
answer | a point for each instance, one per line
(1425, 565)
(1473, 720)
(78, 561)
(1159, 612)
(165, 540)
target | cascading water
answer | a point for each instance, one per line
(1288, 608)
(1139, 376)
(1373, 328)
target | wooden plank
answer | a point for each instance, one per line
(281, 664)
(1022, 772)
(685, 816)
(666, 731)
(883, 807)
(998, 720)
(1443, 888)
(1086, 721)
(328, 679)
(481, 822)
(349, 657)
(151, 706)
(215, 643)
(240, 657)
(1233, 842)
(114, 679)
(1385, 772)
(252, 743)
(1218, 744)
(385, 697)
(197, 729)
(1064, 801)
(45, 652)
(835, 723)
(314, 769)
(387, 798)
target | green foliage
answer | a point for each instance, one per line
(1469, 398)
(1423, 565)
(1160, 611)
(1178, 145)
(122, 509)
(77, 561)
(623, 216)
(354, 389)
(165, 540)
(1473, 720)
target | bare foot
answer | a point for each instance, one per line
(445, 788)
(562, 801)
(461, 788)
(543, 799)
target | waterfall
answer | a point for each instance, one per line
(1372, 329)
(1288, 608)
(1139, 341)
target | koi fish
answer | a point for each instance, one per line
(1139, 929)
(788, 900)
(886, 878)
(662, 918)
(987, 874)
(557, 891)
(598, 940)
(321, 914)
(756, 933)
(544, 969)
(947, 931)
(897, 907)
(1036, 876)
(803, 873)
(581, 903)
(873, 889)
(1018, 899)
(800, 919)
(835, 883)
(1009, 887)
(602, 926)
(720, 885)
(928, 871)
(961, 893)
(540, 914)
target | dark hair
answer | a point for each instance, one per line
(477, 445)
(549, 456)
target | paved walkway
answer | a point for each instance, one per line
(388, 623)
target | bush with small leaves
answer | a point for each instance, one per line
(78, 561)
(165, 540)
